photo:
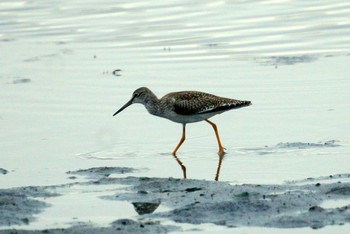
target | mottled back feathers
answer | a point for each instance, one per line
(193, 102)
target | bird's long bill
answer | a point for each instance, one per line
(125, 106)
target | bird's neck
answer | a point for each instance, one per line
(151, 104)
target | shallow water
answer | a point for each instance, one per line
(67, 67)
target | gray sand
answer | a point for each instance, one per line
(294, 204)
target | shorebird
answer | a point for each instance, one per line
(185, 107)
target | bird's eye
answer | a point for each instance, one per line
(137, 94)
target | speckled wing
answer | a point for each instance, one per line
(192, 103)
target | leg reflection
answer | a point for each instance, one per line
(183, 168)
(181, 165)
(219, 167)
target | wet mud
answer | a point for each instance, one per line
(294, 204)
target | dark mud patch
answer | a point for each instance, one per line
(292, 205)
(122, 226)
(15, 80)
(18, 205)
(3, 171)
(302, 145)
(101, 172)
(21, 81)
(286, 60)
(131, 226)
(286, 147)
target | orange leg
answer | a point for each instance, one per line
(181, 140)
(221, 148)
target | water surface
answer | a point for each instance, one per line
(68, 66)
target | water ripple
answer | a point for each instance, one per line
(222, 29)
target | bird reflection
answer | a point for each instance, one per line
(183, 167)
(145, 207)
(221, 157)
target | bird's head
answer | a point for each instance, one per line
(139, 96)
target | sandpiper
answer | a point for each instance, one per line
(185, 107)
